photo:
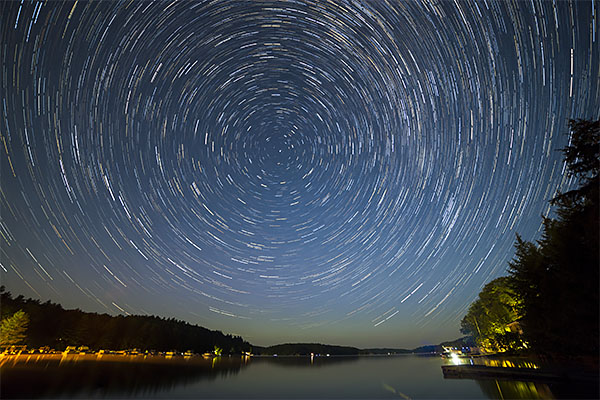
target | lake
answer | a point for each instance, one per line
(111, 376)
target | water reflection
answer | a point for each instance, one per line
(407, 377)
(499, 389)
(506, 362)
(314, 361)
(581, 386)
(87, 376)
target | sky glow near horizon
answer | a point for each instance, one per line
(340, 172)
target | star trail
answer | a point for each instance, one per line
(328, 171)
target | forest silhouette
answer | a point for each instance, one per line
(51, 325)
(548, 304)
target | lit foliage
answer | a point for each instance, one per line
(13, 330)
(489, 316)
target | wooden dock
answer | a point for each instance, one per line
(467, 371)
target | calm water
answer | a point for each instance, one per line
(405, 377)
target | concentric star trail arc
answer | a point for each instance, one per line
(341, 171)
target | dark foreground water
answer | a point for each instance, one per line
(406, 377)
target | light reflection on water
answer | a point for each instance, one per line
(499, 389)
(85, 376)
(586, 387)
(506, 362)
(407, 377)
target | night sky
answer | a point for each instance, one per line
(339, 172)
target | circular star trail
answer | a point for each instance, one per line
(313, 171)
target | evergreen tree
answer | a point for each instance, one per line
(557, 278)
(554, 281)
(13, 329)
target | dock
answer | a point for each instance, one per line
(467, 371)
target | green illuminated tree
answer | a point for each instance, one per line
(13, 329)
(489, 316)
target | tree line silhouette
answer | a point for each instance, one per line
(548, 303)
(51, 325)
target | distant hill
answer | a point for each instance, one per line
(466, 341)
(304, 349)
(384, 351)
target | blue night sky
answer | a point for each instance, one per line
(340, 172)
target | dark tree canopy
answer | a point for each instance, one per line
(51, 325)
(582, 157)
(583, 153)
(555, 280)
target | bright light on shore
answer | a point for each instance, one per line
(455, 359)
